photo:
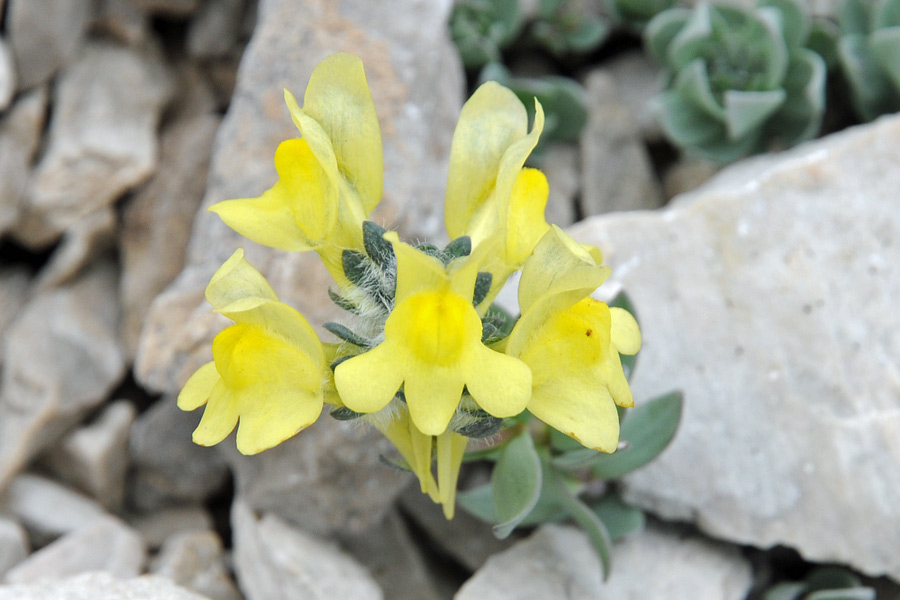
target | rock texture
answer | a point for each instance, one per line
(91, 586)
(7, 75)
(20, 133)
(554, 562)
(62, 358)
(767, 297)
(14, 544)
(194, 559)
(275, 561)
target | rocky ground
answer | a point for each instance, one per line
(766, 295)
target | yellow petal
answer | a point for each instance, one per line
(614, 378)
(409, 441)
(279, 412)
(626, 334)
(196, 391)
(490, 122)
(579, 408)
(526, 222)
(219, 417)
(235, 280)
(500, 384)
(433, 393)
(366, 383)
(297, 213)
(451, 447)
(421, 447)
(416, 271)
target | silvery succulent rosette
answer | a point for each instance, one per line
(740, 80)
(869, 55)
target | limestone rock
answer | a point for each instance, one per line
(123, 20)
(157, 220)
(14, 293)
(62, 358)
(91, 586)
(667, 562)
(328, 478)
(94, 458)
(275, 561)
(102, 138)
(768, 297)
(615, 168)
(554, 562)
(560, 163)
(42, 45)
(168, 467)
(194, 560)
(7, 75)
(638, 79)
(20, 134)
(13, 545)
(216, 28)
(157, 527)
(391, 554)
(48, 509)
(81, 243)
(107, 545)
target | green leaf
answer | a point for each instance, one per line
(662, 29)
(785, 591)
(342, 413)
(342, 302)
(620, 519)
(829, 578)
(794, 20)
(478, 502)
(648, 429)
(516, 483)
(745, 111)
(871, 91)
(853, 17)
(885, 47)
(379, 249)
(346, 334)
(356, 267)
(860, 593)
(461, 246)
(482, 287)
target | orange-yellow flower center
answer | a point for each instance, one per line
(436, 325)
(246, 355)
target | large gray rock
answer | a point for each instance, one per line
(91, 586)
(768, 297)
(157, 527)
(107, 545)
(195, 560)
(7, 75)
(274, 561)
(216, 29)
(47, 509)
(62, 358)
(416, 82)
(13, 544)
(14, 292)
(20, 134)
(45, 36)
(94, 458)
(667, 562)
(554, 562)
(156, 222)
(102, 139)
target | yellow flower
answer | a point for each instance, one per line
(268, 369)
(330, 180)
(572, 342)
(416, 449)
(432, 347)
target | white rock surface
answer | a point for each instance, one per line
(42, 45)
(215, 29)
(107, 545)
(768, 297)
(94, 586)
(561, 164)
(666, 562)
(81, 243)
(157, 527)
(194, 560)
(46, 508)
(275, 561)
(14, 291)
(7, 74)
(62, 358)
(14, 544)
(20, 133)
(102, 138)
(94, 458)
(554, 562)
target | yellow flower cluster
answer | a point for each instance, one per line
(433, 360)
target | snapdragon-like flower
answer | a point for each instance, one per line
(268, 369)
(572, 342)
(329, 180)
(432, 347)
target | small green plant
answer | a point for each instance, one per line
(740, 81)
(827, 583)
(482, 28)
(635, 14)
(565, 27)
(869, 55)
(541, 475)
